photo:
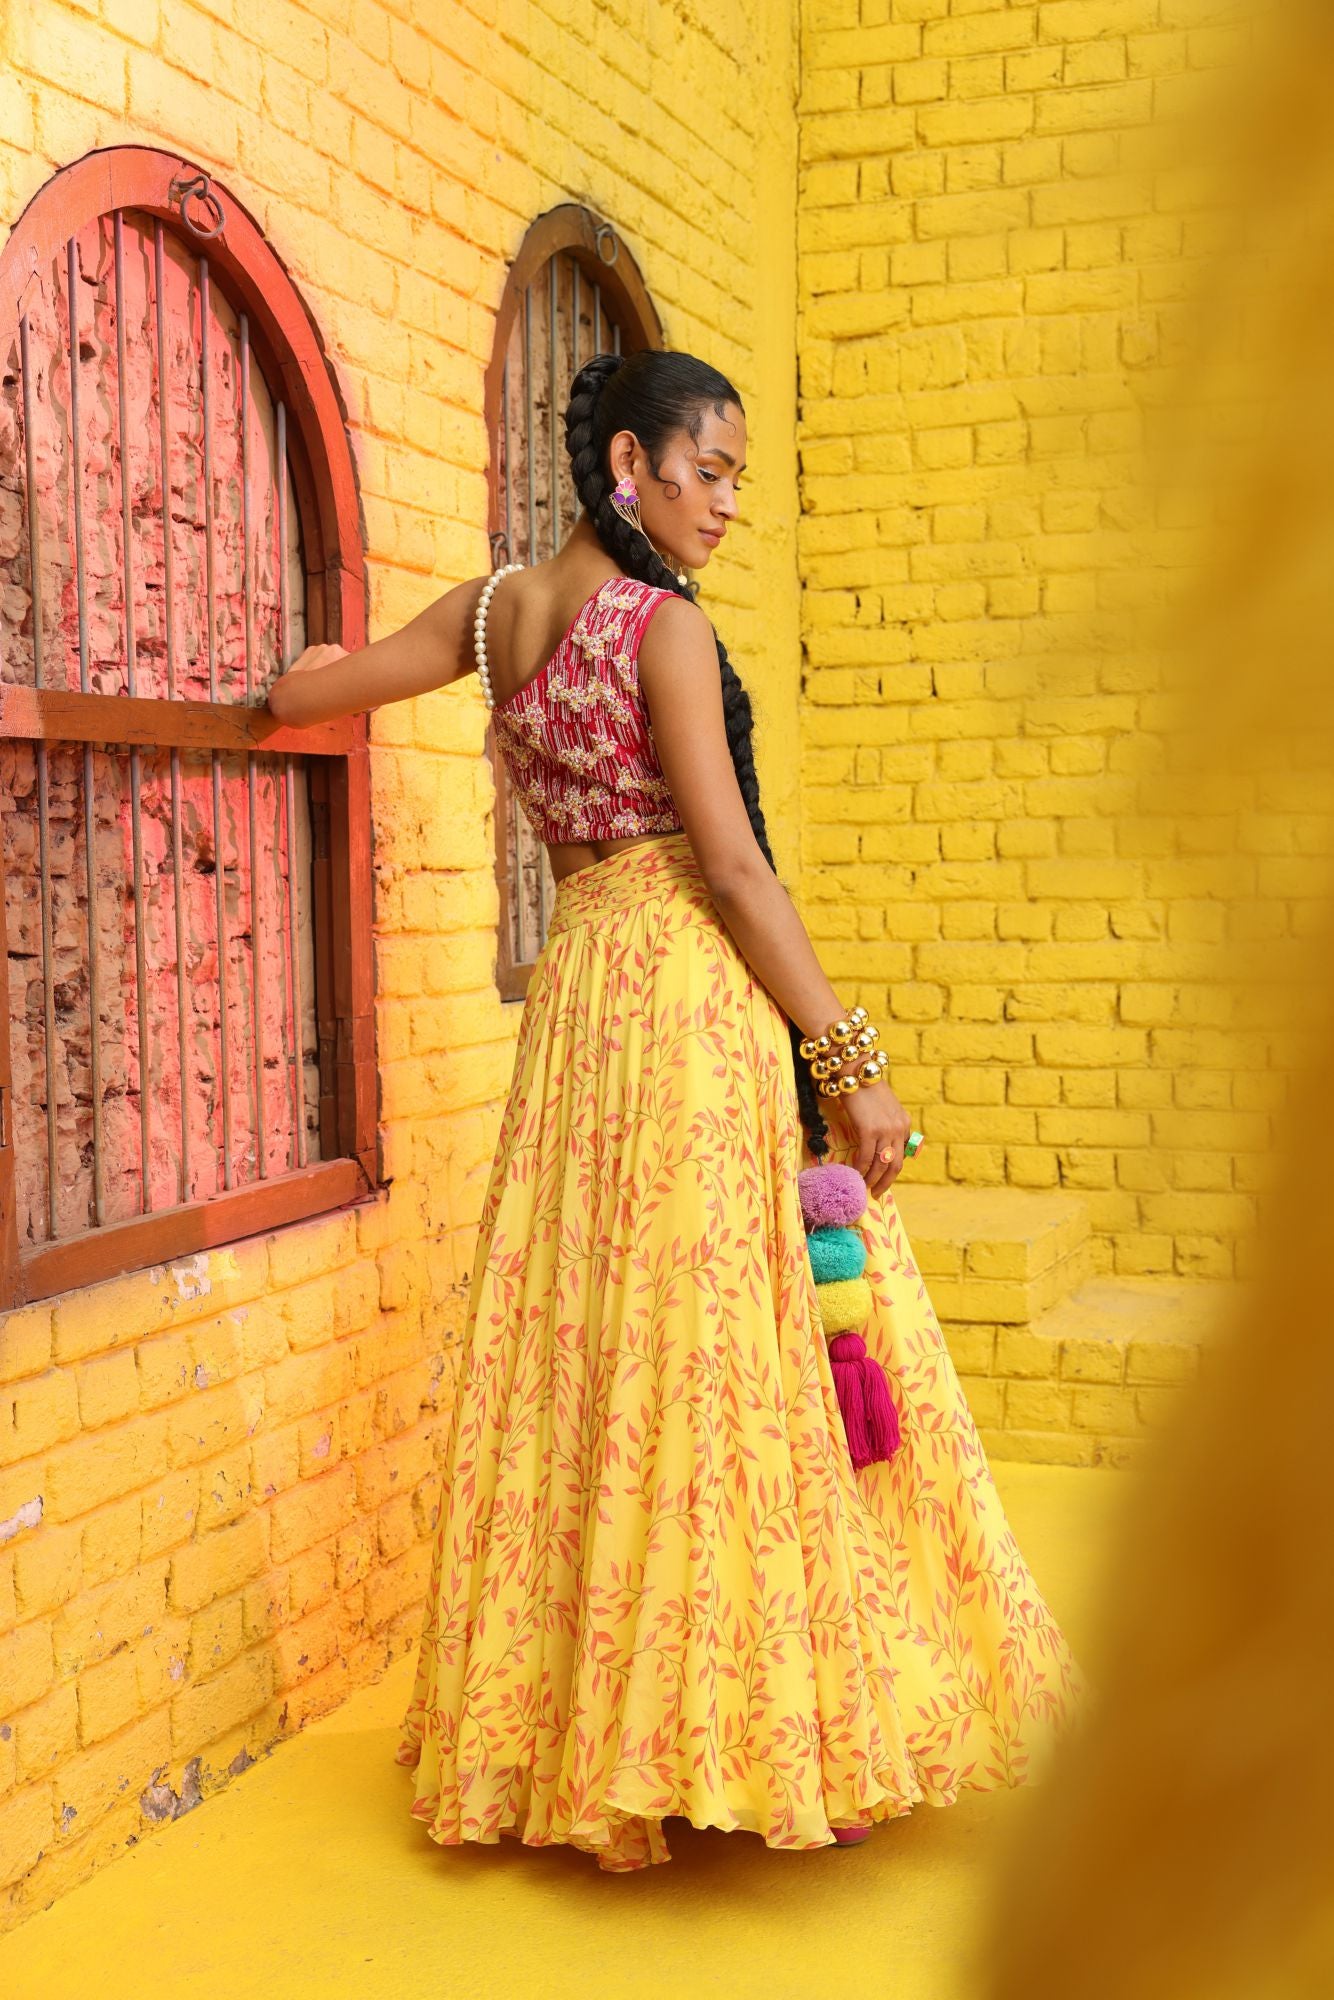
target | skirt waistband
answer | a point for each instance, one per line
(625, 878)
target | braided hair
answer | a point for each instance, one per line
(655, 393)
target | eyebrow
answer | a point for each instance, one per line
(716, 451)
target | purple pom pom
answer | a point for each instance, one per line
(832, 1195)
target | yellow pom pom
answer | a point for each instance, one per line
(845, 1305)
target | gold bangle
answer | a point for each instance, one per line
(852, 1052)
(836, 1034)
(859, 1042)
(871, 1071)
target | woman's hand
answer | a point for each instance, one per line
(304, 663)
(873, 1120)
(316, 656)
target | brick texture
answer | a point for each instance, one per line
(988, 286)
(218, 1481)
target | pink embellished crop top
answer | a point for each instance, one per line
(576, 739)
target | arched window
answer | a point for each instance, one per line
(187, 971)
(573, 291)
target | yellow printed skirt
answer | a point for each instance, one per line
(658, 1586)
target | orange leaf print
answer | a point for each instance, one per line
(657, 1585)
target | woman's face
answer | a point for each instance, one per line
(692, 502)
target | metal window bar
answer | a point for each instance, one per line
(289, 804)
(574, 320)
(508, 459)
(248, 586)
(89, 798)
(219, 869)
(183, 1180)
(131, 680)
(43, 782)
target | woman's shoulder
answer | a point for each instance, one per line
(673, 631)
(678, 612)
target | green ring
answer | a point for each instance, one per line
(914, 1142)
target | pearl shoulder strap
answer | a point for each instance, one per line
(479, 629)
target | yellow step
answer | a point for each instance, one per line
(1093, 1377)
(995, 1256)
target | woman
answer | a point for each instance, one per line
(660, 1586)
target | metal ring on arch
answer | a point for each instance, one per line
(181, 190)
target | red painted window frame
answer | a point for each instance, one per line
(604, 255)
(288, 348)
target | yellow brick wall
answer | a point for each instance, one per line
(986, 300)
(217, 1480)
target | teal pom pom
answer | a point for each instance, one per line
(836, 1254)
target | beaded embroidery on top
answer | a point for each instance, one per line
(577, 740)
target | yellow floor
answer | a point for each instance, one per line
(307, 1876)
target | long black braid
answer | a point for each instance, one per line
(656, 393)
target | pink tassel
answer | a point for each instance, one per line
(882, 1418)
(869, 1418)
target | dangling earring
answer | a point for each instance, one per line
(625, 499)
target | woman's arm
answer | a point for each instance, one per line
(678, 671)
(430, 651)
